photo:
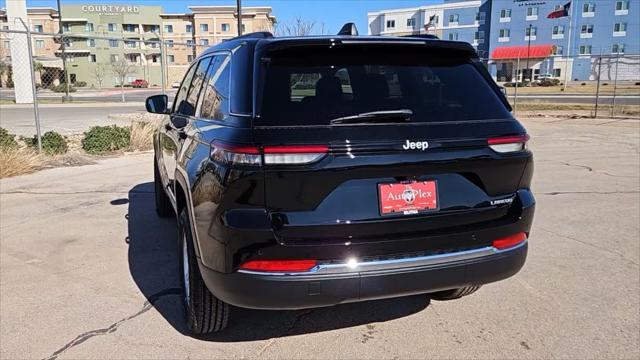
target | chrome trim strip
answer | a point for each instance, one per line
(352, 266)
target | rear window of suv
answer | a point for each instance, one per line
(314, 86)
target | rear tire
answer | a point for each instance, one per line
(454, 293)
(204, 312)
(163, 204)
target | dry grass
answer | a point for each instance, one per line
(632, 111)
(19, 161)
(141, 138)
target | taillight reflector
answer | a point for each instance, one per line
(508, 143)
(509, 241)
(279, 265)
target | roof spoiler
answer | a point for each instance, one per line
(349, 29)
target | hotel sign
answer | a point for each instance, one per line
(111, 9)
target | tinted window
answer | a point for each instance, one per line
(215, 104)
(314, 87)
(184, 88)
(188, 106)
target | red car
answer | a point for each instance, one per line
(139, 83)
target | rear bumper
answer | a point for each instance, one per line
(283, 291)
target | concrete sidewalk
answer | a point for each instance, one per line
(87, 270)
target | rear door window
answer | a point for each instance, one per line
(188, 105)
(215, 102)
(313, 89)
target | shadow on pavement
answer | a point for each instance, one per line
(154, 266)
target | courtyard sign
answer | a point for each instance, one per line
(111, 9)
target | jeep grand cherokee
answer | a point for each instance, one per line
(314, 171)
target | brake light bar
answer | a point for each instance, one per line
(508, 143)
(509, 241)
(279, 265)
(273, 155)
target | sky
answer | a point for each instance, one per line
(333, 13)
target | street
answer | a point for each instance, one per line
(87, 270)
(89, 95)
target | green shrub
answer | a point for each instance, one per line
(52, 143)
(62, 88)
(7, 140)
(81, 83)
(549, 82)
(101, 139)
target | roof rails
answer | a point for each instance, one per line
(348, 29)
(255, 35)
(423, 36)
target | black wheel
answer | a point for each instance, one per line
(163, 204)
(454, 293)
(204, 312)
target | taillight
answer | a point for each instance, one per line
(279, 265)
(509, 241)
(508, 143)
(273, 155)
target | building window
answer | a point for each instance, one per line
(114, 58)
(532, 13)
(66, 27)
(189, 28)
(129, 27)
(88, 27)
(112, 27)
(453, 18)
(154, 58)
(411, 22)
(204, 27)
(92, 58)
(169, 43)
(453, 36)
(558, 50)
(38, 28)
(39, 44)
(168, 28)
(620, 29)
(585, 50)
(588, 9)
(7, 44)
(91, 42)
(130, 44)
(505, 15)
(478, 37)
(557, 73)
(204, 42)
(68, 43)
(5, 27)
(530, 33)
(225, 27)
(113, 43)
(189, 58)
(586, 31)
(557, 32)
(243, 28)
(622, 7)
(171, 59)
(480, 17)
(391, 24)
(190, 42)
(503, 35)
(617, 49)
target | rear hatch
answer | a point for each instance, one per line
(369, 142)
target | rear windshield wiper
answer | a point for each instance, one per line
(385, 116)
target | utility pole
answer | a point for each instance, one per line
(64, 55)
(239, 10)
(529, 53)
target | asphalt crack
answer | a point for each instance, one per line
(113, 327)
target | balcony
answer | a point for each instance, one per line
(557, 36)
(587, 35)
(588, 14)
(505, 19)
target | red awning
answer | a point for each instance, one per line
(514, 52)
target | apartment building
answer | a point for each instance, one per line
(98, 35)
(504, 30)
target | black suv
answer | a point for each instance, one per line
(314, 171)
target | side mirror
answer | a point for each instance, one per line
(503, 90)
(157, 104)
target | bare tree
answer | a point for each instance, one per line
(300, 27)
(99, 73)
(121, 68)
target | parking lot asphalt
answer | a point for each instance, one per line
(87, 270)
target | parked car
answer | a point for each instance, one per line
(401, 171)
(139, 83)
